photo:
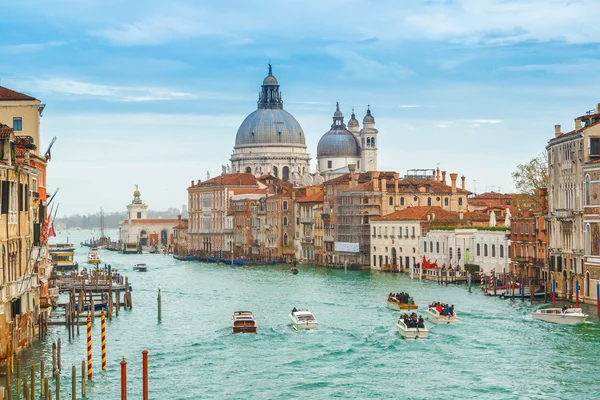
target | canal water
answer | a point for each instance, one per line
(497, 351)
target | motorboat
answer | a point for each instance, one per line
(435, 317)
(243, 322)
(140, 267)
(303, 320)
(93, 257)
(409, 332)
(63, 260)
(397, 305)
(560, 315)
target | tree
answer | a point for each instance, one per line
(529, 178)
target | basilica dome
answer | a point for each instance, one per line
(338, 141)
(270, 124)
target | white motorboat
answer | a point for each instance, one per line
(435, 317)
(303, 320)
(140, 267)
(560, 316)
(93, 257)
(412, 332)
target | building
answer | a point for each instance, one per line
(492, 199)
(181, 244)
(395, 236)
(248, 226)
(453, 248)
(590, 277)
(24, 113)
(281, 225)
(146, 232)
(309, 208)
(340, 146)
(568, 152)
(270, 140)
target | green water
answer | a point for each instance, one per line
(497, 351)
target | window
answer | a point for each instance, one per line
(413, 231)
(424, 247)
(368, 142)
(358, 164)
(401, 201)
(431, 246)
(460, 201)
(429, 201)
(446, 202)
(485, 250)
(285, 239)
(385, 232)
(588, 194)
(285, 221)
(285, 205)
(478, 249)
(450, 253)
(248, 170)
(391, 201)
(594, 146)
(374, 261)
(437, 247)
(493, 250)
(139, 215)
(458, 253)
(17, 124)
(372, 142)
(285, 174)
(501, 251)
(329, 164)
(374, 231)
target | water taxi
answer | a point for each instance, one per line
(243, 322)
(560, 315)
(130, 248)
(397, 305)
(140, 267)
(63, 260)
(93, 257)
(407, 331)
(434, 316)
(303, 320)
(56, 247)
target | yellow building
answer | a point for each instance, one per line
(22, 113)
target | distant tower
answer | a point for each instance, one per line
(354, 126)
(137, 209)
(368, 141)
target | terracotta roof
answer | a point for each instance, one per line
(492, 196)
(20, 151)
(574, 131)
(7, 94)
(362, 177)
(419, 213)
(183, 224)
(237, 179)
(478, 203)
(476, 216)
(5, 131)
(152, 221)
(312, 198)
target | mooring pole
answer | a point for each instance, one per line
(145, 375)
(159, 300)
(123, 379)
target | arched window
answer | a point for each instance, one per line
(431, 247)
(446, 201)
(587, 239)
(588, 193)
(372, 142)
(401, 201)
(437, 247)
(460, 201)
(493, 250)
(248, 170)
(501, 251)
(285, 174)
(366, 200)
(429, 201)
(478, 249)
(275, 172)
(285, 239)
(391, 201)
(285, 221)
(485, 252)
(368, 142)
(424, 247)
(587, 284)
(374, 231)
(458, 253)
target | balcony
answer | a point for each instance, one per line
(328, 238)
(228, 230)
(307, 240)
(268, 227)
(307, 220)
(35, 195)
(564, 214)
(17, 288)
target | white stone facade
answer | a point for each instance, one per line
(395, 243)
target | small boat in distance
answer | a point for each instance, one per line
(303, 320)
(130, 248)
(440, 313)
(140, 267)
(93, 257)
(565, 315)
(294, 270)
(412, 327)
(401, 301)
(243, 322)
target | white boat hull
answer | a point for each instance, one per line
(412, 333)
(304, 325)
(435, 318)
(563, 319)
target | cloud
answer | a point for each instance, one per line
(355, 65)
(582, 66)
(487, 121)
(30, 47)
(114, 93)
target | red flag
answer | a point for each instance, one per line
(52, 232)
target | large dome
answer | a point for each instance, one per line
(338, 143)
(270, 126)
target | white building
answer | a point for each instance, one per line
(340, 146)
(451, 248)
(138, 228)
(270, 140)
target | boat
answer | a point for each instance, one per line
(140, 267)
(183, 258)
(435, 317)
(397, 305)
(410, 332)
(63, 260)
(303, 320)
(243, 322)
(86, 306)
(154, 250)
(53, 248)
(212, 259)
(560, 315)
(294, 270)
(93, 256)
(130, 248)
(225, 261)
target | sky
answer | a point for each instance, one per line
(152, 92)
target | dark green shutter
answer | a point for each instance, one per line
(5, 186)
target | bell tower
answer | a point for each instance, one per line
(137, 209)
(368, 142)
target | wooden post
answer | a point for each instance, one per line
(57, 382)
(53, 358)
(83, 378)
(32, 382)
(18, 376)
(58, 353)
(73, 383)
(123, 379)
(145, 375)
(89, 347)
(25, 390)
(8, 378)
(118, 295)
(42, 377)
(159, 300)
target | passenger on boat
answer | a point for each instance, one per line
(294, 310)
(565, 308)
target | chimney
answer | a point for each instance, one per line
(375, 180)
(557, 131)
(293, 195)
(577, 124)
(396, 177)
(179, 218)
(453, 180)
(462, 185)
(192, 183)
(437, 174)
(444, 177)
(598, 108)
(383, 185)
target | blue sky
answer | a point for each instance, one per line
(153, 92)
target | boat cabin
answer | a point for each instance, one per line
(243, 322)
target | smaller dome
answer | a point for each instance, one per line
(353, 122)
(368, 119)
(337, 113)
(270, 80)
(136, 193)
(338, 143)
